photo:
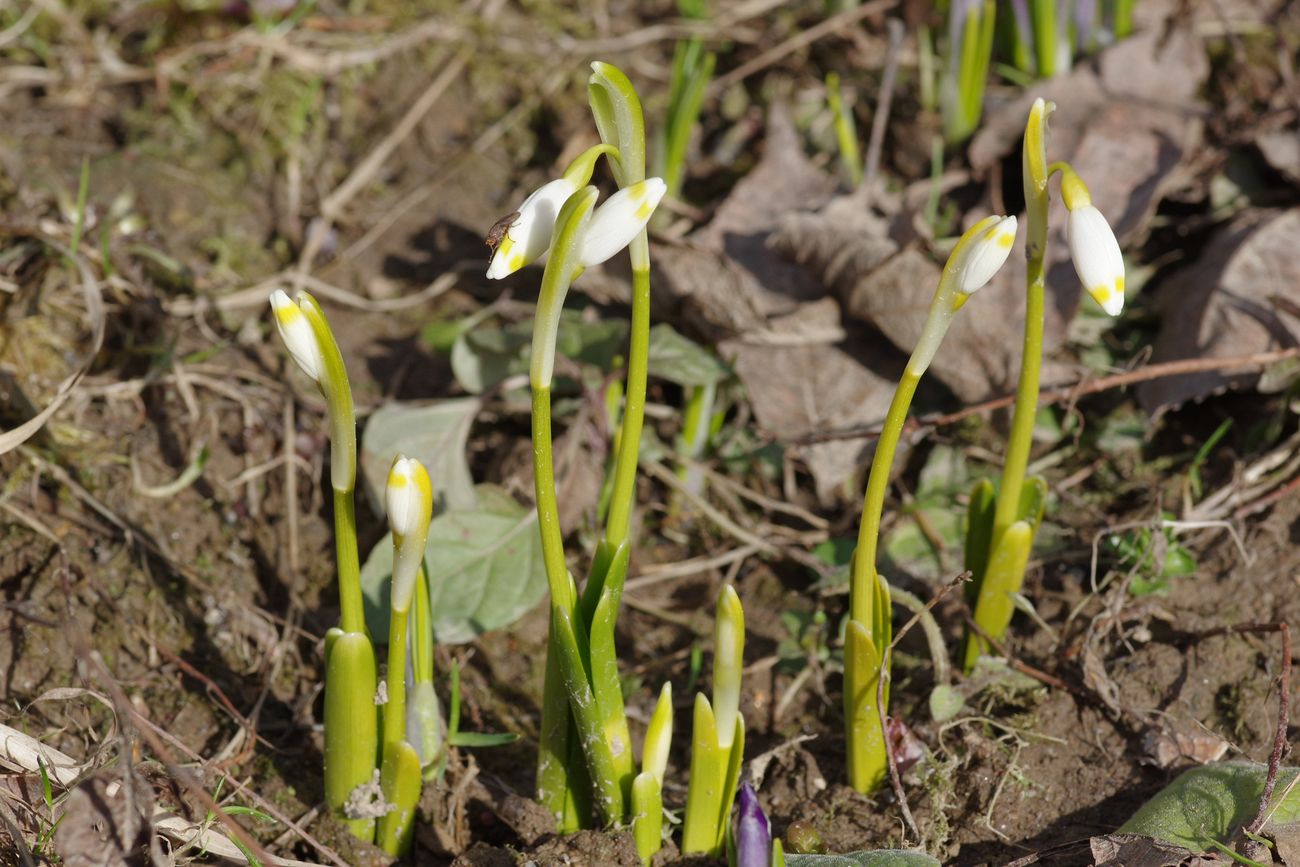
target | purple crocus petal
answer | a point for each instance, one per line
(1085, 13)
(753, 831)
(1024, 29)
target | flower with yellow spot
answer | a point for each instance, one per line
(984, 255)
(409, 499)
(1093, 246)
(297, 334)
(529, 233)
(620, 219)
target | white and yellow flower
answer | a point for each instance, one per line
(1093, 246)
(409, 500)
(529, 234)
(615, 223)
(297, 333)
(985, 253)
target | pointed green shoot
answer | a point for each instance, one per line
(659, 736)
(704, 794)
(846, 133)
(979, 536)
(647, 816)
(1006, 572)
(728, 663)
(569, 642)
(865, 739)
(351, 723)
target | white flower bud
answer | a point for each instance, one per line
(297, 333)
(1097, 257)
(728, 661)
(616, 222)
(529, 235)
(409, 500)
(986, 254)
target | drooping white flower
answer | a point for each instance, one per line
(529, 233)
(986, 254)
(409, 500)
(615, 223)
(1097, 257)
(297, 333)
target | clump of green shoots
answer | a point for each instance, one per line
(647, 787)
(970, 50)
(1000, 526)
(1045, 35)
(692, 72)
(585, 768)
(351, 678)
(978, 255)
(718, 736)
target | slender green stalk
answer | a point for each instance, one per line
(978, 254)
(1044, 16)
(845, 132)
(864, 556)
(400, 776)
(991, 587)
(352, 613)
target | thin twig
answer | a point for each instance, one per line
(895, 778)
(1069, 392)
(880, 122)
(794, 43)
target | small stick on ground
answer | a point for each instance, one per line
(1251, 848)
(895, 778)
(1069, 392)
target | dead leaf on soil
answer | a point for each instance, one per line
(1281, 150)
(1131, 850)
(801, 389)
(100, 827)
(773, 317)
(726, 279)
(1241, 296)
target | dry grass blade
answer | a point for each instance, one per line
(94, 301)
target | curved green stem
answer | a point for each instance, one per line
(548, 508)
(638, 363)
(352, 615)
(864, 557)
(1022, 421)
(395, 709)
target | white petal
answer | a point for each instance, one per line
(1097, 257)
(530, 234)
(409, 500)
(987, 254)
(297, 333)
(615, 223)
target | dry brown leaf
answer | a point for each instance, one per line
(1281, 150)
(802, 389)
(1240, 297)
(725, 280)
(1132, 850)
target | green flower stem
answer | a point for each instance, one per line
(395, 708)
(1026, 409)
(864, 556)
(1044, 23)
(548, 507)
(352, 613)
(400, 776)
(638, 363)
